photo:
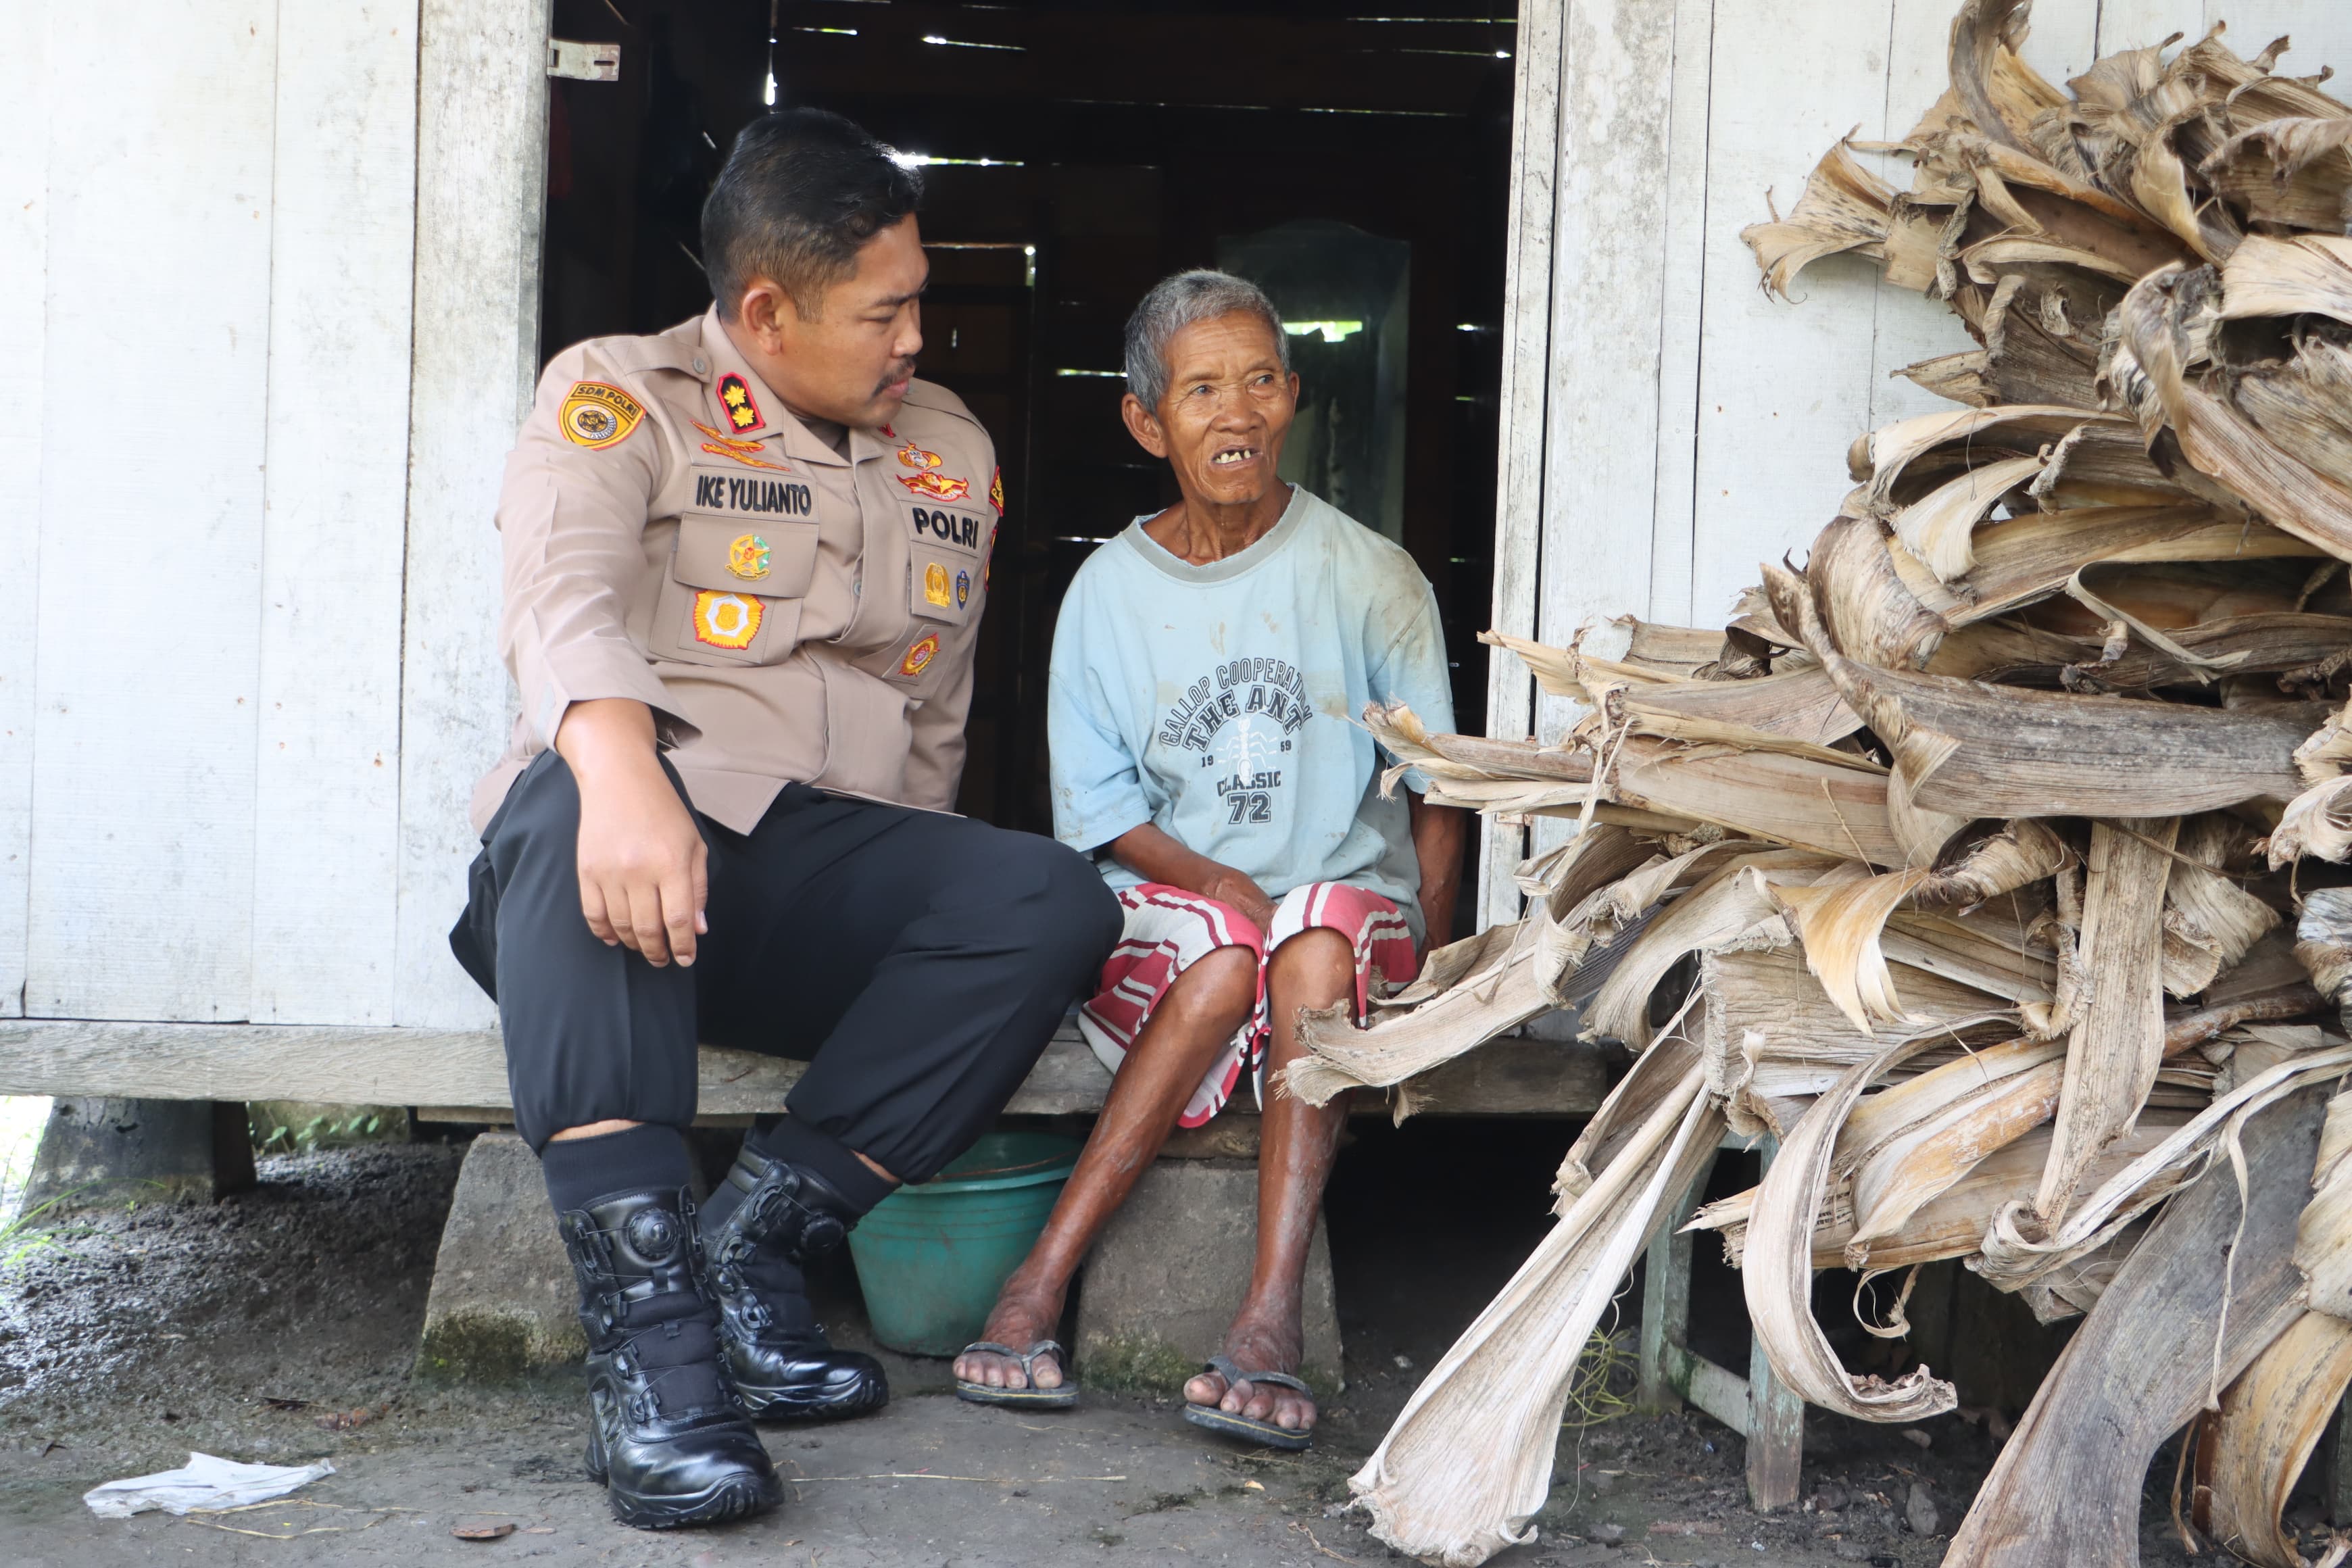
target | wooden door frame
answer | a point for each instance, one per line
(1533, 215)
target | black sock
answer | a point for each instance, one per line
(793, 1141)
(644, 1158)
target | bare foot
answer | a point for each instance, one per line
(1260, 1340)
(1023, 1316)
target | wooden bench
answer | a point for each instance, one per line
(461, 1075)
(500, 1296)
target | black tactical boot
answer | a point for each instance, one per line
(668, 1437)
(774, 1348)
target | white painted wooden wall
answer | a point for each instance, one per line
(269, 319)
(1666, 424)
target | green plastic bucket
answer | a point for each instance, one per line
(931, 1258)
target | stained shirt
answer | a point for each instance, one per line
(1220, 702)
(794, 603)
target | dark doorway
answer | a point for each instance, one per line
(1076, 155)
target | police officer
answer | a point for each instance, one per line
(745, 563)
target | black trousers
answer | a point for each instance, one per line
(918, 963)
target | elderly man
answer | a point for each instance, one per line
(745, 565)
(1206, 668)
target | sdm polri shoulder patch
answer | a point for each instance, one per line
(597, 415)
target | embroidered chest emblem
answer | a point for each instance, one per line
(747, 557)
(932, 484)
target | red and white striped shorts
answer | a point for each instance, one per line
(1169, 929)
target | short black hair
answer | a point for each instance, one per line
(801, 192)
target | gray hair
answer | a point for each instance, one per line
(1187, 300)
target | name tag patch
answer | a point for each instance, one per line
(753, 496)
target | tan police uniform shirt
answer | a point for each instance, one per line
(672, 533)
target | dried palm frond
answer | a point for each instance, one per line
(1972, 835)
(1468, 1461)
(2252, 1451)
(2176, 1324)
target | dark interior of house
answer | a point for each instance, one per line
(1353, 165)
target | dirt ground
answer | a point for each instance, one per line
(278, 1326)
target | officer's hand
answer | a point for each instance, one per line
(644, 869)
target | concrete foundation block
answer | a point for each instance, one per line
(102, 1152)
(1169, 1273)
(503, 1302)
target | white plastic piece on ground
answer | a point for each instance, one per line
(205, 1481)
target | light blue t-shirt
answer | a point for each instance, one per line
(1220, 702)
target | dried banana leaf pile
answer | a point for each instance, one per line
(1991, 860)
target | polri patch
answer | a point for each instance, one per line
(963, 589)
(918, 657)
(747, 557)
(935, 584)
(742, 410)
(997, 493)
(727, 620)
(597, 415)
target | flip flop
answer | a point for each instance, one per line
(1233, 1426)
(1031, 1397)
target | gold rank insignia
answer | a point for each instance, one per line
(914, 456)
(935, 584)
(596, 415)
(749, 461)
(918, 657)
(717, 435)
(727, 620)
(735, 397)
(997, 493)
(934, 485)
(747, 557)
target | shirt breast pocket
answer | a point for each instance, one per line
(943, 564)
(734, 591)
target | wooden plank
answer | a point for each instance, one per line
(327, 772)
(24, 260)
(2322, 31)
(1684, 276)
(1607, 293)
(346, 1066)
(1527, 336)
(1666, 1304)
(1784, 387)
(153, 391)
(2136, 24)
(481, 176)
(1776, 1416)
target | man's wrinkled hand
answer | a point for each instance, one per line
(1230, 887)
(645, 873)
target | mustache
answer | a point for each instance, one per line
(902, 371)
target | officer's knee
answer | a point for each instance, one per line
(1075, 920)
(541, 815)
